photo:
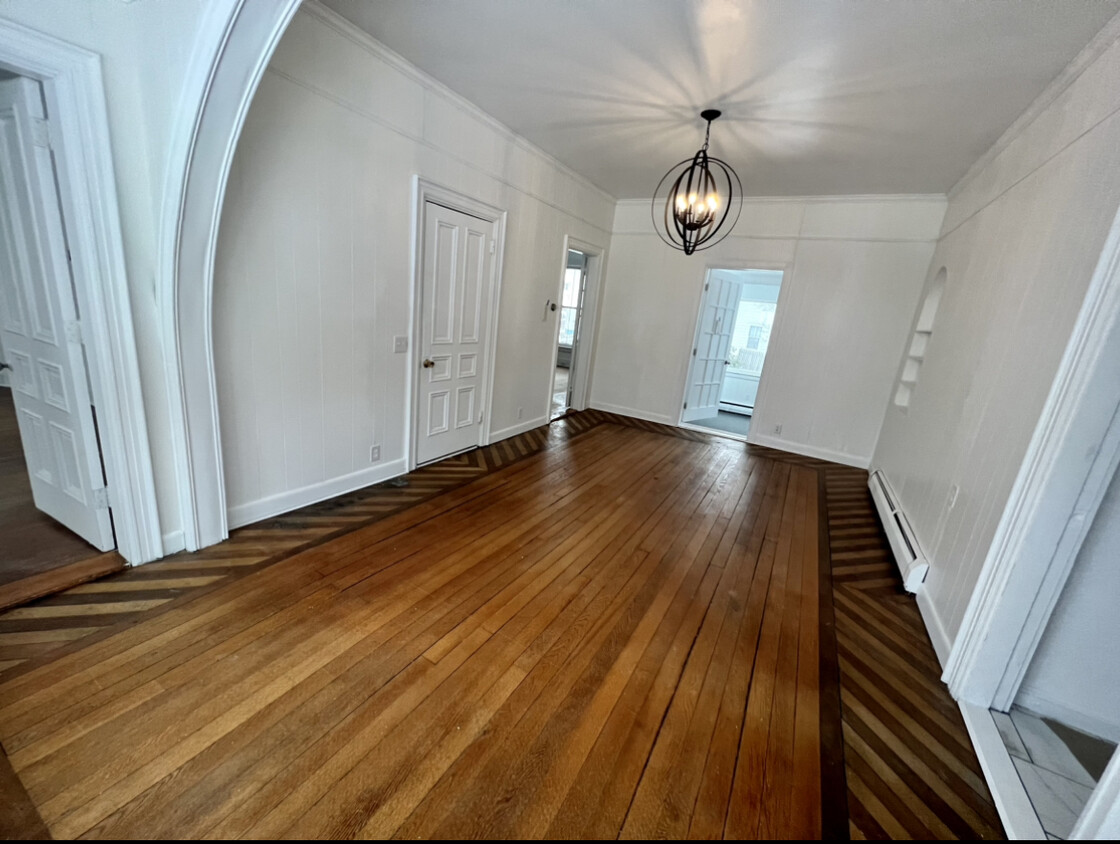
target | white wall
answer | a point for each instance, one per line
(1075, 675)
(313, 269)
(144, 48)
(854, 267)
(1021, 237)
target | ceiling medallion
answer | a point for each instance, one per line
(702, 192)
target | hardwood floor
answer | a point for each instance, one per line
(37, 555)
(595, 630)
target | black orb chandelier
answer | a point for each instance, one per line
(702, 200)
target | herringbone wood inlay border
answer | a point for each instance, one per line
(888, 726)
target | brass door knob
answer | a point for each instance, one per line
(428, 363)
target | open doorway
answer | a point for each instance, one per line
(571, 306)
(54, 510)
(733, 327)
(1063, 727)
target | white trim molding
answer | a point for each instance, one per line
(75, 98)
(1063, 478)
(1058, 86)
(1014, 806)
(808, 450)
(293, 499)
(236, 40)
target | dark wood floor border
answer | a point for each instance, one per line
(834, 784)
(19, 819)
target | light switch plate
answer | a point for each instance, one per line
(400, 344)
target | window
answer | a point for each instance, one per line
(753, 322)
(569, 305)
(754, 336)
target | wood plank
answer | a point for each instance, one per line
(605, 630)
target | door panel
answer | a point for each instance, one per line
(710, 348)
(454, 309)
(39, 327)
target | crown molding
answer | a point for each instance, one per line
(1092, 51)
(819, 200)
(363, 39)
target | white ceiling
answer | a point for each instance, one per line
(819, 96)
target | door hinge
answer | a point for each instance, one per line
(694, 353)
(41, 132)
(686, 405)
(101, 498)
(480, 418)
(705, 285)
(493, 246)
(74, 331)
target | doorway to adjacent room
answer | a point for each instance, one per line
(571, 305)
(733, 328)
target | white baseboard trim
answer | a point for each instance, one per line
(519, 428)
(173, 541)
(942, 645)
(284, 502)
(809, 450)
(1041, 705)
(1014, 807)
(631, 411)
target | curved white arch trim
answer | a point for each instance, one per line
(236, 40)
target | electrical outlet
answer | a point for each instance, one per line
(953, 496)
(374, 453)
(520, 412)
(400, 345)
(777, 430)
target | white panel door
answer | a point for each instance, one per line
(709, 351)
(39, 326)
(454, 320)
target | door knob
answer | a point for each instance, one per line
(4, 366)
(428, 363)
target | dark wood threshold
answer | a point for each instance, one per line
(59, 579)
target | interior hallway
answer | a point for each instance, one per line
(589, 656)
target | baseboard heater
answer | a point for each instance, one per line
(911, 561)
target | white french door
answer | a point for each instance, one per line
(39, 327)
(455, 307)
(710, 347)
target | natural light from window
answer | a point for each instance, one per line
(753, 322)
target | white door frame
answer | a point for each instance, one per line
(75, 96)
(235, 41)
(1071, 458)
(775, 333)
(424, 191)
(580, 379)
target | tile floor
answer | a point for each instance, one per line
(559, 393)
(734, 423)
(1057, 783)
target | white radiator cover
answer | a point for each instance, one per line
(912, 563)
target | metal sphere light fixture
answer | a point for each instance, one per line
(698, 202)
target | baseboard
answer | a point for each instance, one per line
(808, 450)
(519, 428)
(1012, 803)
(1043, 706)
(284, 502)
(631, 411)
(173, 541)
(942, 645)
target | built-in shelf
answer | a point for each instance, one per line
(919, 342)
